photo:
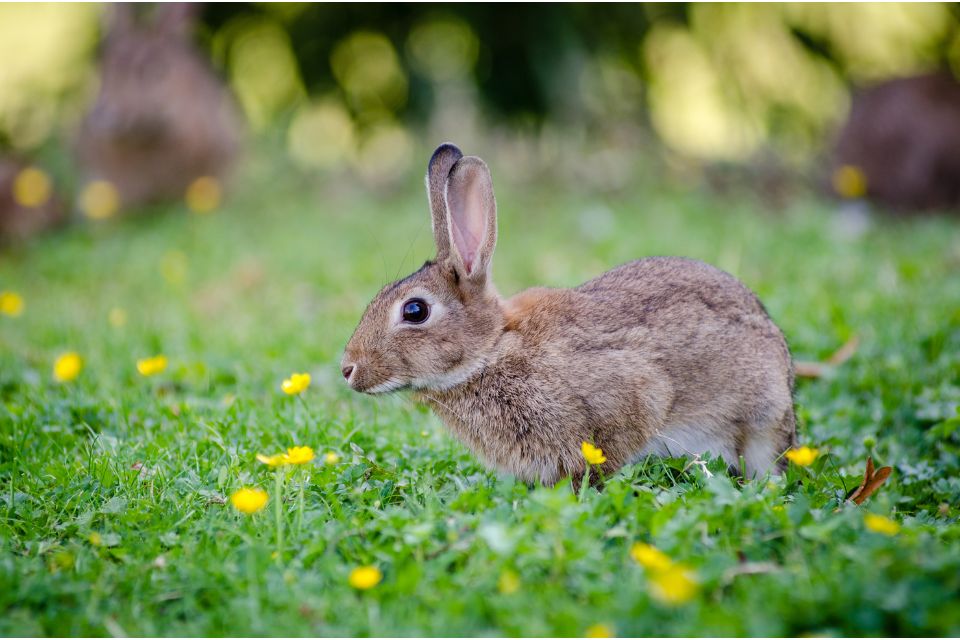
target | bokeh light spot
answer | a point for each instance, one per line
(368, 69)
(203, 195)
(174, 266)
(443, 49)
(385, 155)
(850, 182)
(99, 200)
(32, 188)
(321, 135)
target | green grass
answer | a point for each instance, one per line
(274, 283)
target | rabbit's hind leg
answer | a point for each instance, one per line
(764, 447)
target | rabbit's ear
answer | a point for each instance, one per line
(471, 216)
(176, 18)
(441, 162)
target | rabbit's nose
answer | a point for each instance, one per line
(347, 371)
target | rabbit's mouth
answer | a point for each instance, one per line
(388, 386)
(362, 383)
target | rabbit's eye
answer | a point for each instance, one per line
(415, 311)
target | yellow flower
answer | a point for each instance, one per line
(598, 631)
(203, 195)
(31, 188)
(296, 383)
(673, 586)
(592, 454)
(849, 181)
(508, 583)
(249, 500)
(649, 557)
(117, 317)
(880, 524)
(299, 455)
(331, 458)
(99, 200)
(365, 577)
(294, 455)
(802, 457)
(67, 367)
(95, 539)
(276, 460)
(151, 366)
(11, 303)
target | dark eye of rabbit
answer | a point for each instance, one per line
(415, 311)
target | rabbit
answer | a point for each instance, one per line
(162, 117)
(662, 355)
(904, 137)
(19, 219)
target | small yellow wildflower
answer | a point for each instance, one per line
(598, 631)
(152, 366)
(249, 500)
(849, 182)
(299, 455)
(881, 524)
(508, 583)
(296, 383)
(294, 455)
(276, 460)
(592, 454)
(11, 303)
(95, 539)
(203, 195)
(331, 458)
(31, 188)
(673, 586)
(99, 200)
(117, 317)
(365, 577)
(67, 367)
(649, 557)
(802, 457)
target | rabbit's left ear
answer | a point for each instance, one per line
(441, 162)
(471, 217)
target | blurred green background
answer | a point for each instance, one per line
(351, 88)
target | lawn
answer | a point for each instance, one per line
(114, 488)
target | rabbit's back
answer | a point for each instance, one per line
(725, 368)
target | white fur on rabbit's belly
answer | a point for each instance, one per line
(685, 440)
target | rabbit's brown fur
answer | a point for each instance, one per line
(162, 117)
(661, 355)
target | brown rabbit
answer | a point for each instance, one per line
(162, 117)
(662, 355)
(904, 137)
(27, 208)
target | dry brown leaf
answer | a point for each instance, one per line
(871, 482)
(809, 369)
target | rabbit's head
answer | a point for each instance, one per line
(438, 326)
(146, 64)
